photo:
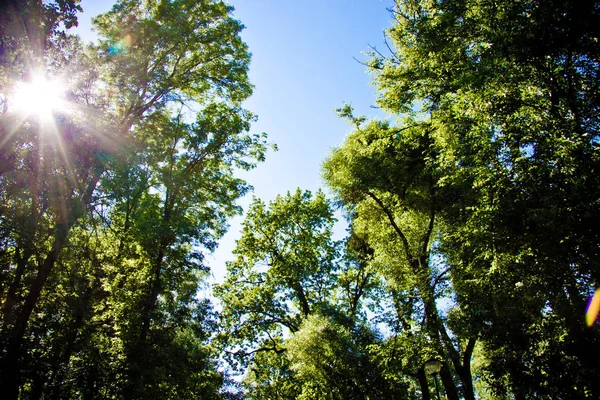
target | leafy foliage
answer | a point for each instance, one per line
(503, 95)
(293, 308)
(284, 270)
(133, 183)
(472, 212)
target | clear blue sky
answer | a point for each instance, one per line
(303, 69)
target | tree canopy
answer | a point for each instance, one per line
(110, 205)
(489, 171)
(471, 211)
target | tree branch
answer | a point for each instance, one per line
(426, 245)
(469, 351)
(439, 277)
(393, 223)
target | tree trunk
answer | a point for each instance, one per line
(11, 296)
(10, 372)
(302, 299)
(437, 331)
(464, 371)
(11, 367)
(73, 337)
(422, 378)
(150, 304)
(448, 381)
(90, 391)
(434, 326)
(135, 358)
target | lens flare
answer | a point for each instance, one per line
(121, 46)
(593, 308)
(38, 96)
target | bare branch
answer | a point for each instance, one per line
(394, 54)
(362, 62)
(378, 52)
(395, 11)
(439, 277)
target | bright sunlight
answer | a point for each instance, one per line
(39, 97)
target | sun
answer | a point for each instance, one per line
(39, 97)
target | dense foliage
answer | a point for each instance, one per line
(484, 192)
(292, 306)
(472, 212)
(475, 206)
(109, 206)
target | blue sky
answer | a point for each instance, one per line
(303, 68)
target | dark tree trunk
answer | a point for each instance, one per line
(135, 358)
(11, 295)
(448, 381)
(422, 378)
(464, 371)
(136, 355)
(73, 338)
(302, 299)
(10, 372)
(11, 366)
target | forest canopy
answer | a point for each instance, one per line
(472, 211)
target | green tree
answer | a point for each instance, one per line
(388, 180)
(284, 271)
(129, 189)
(270, 377)
(191, 170)
(520, 104)
(506, 96)
(294, 305)
(331, 358)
